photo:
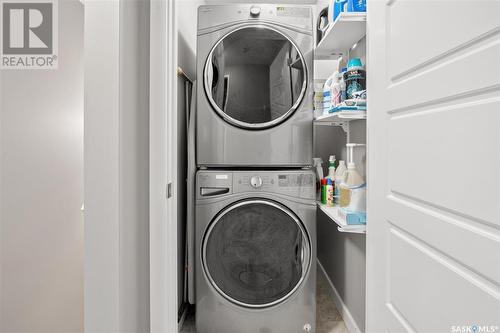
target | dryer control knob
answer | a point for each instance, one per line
(255, 11)
(256, 182)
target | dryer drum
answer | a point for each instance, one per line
(255, 77)
(256, 253)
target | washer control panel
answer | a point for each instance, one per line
(293, 183)
(219, 183)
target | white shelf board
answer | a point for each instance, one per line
(340, 36)
(339, 117)
(333, 214)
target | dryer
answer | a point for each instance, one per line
(254, 89)
(255, 251)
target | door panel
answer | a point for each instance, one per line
(440, 148)
(434, 231)
(429, 305)
(435, 29)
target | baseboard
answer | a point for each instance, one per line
(349, 321)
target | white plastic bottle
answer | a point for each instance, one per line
(339, 178)
(318, 99)
(353, 191)
(327, 95)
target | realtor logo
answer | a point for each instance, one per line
(29, 34)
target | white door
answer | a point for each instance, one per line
(433, 242)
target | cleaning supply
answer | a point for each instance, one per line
(318, 164)
(356, 5)
(327, 95)
(336, 94)
(339, 178)
(353, 188)
(337, 7)
(324, 184)
(353, 191)
(329, 192)
(318, 99)
(354, 78)
(342, 85)
(332, 165)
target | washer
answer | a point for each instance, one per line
(255, 251)
(254, 90)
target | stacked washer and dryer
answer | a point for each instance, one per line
(255, 216)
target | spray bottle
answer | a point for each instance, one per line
(332, 166)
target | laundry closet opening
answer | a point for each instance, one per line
(258, 249)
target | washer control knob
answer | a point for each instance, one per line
(256, 182)
(255, 11)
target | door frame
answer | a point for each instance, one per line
(163, 166)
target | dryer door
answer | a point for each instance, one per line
(255, 77)
(256, 253)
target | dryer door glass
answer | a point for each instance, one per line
(256, 253)
(255, 77)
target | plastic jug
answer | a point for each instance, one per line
(353, 191)
(327, 95)
(353, 188)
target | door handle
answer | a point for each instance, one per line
(211, 191)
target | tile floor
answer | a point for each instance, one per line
(328, 319)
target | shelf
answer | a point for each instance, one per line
(337, 118)
(334, 214)
(346, 31)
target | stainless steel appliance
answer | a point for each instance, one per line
(255, 238)
(254, 89)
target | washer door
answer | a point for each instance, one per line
(255, 77)
(256, 253)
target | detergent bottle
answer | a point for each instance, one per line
(353, 188)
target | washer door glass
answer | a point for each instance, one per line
(256, 253)
(255, 77)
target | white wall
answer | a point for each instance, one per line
(117, 166)
(187, 13)
(41, 192)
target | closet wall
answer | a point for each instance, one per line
(187, 16)
(342, 255)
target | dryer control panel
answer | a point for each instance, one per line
(298, 16)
